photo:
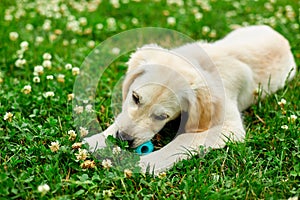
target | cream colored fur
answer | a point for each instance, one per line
(208, 83)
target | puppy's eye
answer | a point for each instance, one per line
(136, 98)
(161, 117)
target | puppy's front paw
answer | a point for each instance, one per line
(95, 142)
(154, 164)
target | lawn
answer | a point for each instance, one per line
(43, 45)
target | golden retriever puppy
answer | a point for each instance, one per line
(207, 85)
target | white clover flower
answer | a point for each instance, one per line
(78, 109)
(36, 79)
(292, 118)
(13, 36)
(52, 37)
(288, 8)
(8, 116)
(77, 145)
(47, 56)
(195, 10)
(26, 89)
(230, 14)
(92, 7)
(65, 42)
(39, 39)
(43, 188)
(176, 2)
(107, 193)
(115, 3)
(20, 62)
(73, 26)
(205, 30)
(282, 102)
(111, 23)
(20, 53)
(116, 150)
(49, 94)
(91, 44)
(82, 154)
(8, 17)
(71, 18)
(269, 6)
(213, 34)
(182, 11)
(54, 147)
(285, 127)
(134, 21)
(290, 14)
(20, 13)
(171, 21)
(75, 71)
(72, 135)
(29, 27)
(198, 16)
(16, 81)
(82, 21)
(106, 163)
(47, 25)
(57, 15)
(99, 26)
(24, 45)
(64, 8)
(47, 64)
(68, 66)
(38, 70)
(295, 26)
(89, 108)
(74, 41)
(162, 175)
(49, 77)
(166, 13)
(123, 26)
(115, 50)
(83, 131)
(61, 78)
(70, 97)
(87, 164)
(127, 173)
(87, 31)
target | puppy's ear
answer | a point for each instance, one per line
(135, 69)
(202, 110)
(136, 59)
(129, 79)
(143, 55)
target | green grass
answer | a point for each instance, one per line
(265, 166)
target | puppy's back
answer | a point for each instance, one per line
(264, 50)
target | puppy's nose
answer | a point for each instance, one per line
(125, 137)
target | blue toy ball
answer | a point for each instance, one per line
(144, 148)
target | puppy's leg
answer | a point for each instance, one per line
(97, 141)
(188, 143)
(180, 148)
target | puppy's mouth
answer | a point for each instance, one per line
(163, 137)
(125, 137)
(132, 142)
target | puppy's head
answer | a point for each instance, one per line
(148, 104)
(155, 93)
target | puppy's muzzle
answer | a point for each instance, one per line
(125, 137)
